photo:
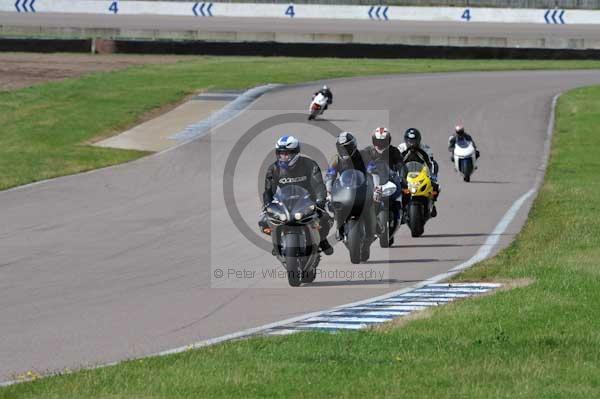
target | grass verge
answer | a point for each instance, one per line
(538, 340)
(45, 127)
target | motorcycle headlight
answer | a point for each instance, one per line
(413, 190)
(275, 214)
(298, 216)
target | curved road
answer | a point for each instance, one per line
(308, 26)
(120, 262)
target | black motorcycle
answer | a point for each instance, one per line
(351, 198)
(294, 222)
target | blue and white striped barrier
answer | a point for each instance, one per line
(314, 11)
(379, 311)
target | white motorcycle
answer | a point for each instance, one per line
(387, 223)
(465, 158)
(317, 106)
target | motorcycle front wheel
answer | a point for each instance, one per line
(353, 240)
(416, 219)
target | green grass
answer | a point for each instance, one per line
(537, 341)
(44, 128)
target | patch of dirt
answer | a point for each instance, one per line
(18, 70)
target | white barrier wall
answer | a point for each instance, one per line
(382, 13)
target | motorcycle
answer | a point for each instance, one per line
(351, 197)
(317, 106)
(293, 223)
(465, 158)
(387, 202)
(421, 195)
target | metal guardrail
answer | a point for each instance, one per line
(540, 4)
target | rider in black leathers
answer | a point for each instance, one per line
(349, 157)
(382, 149)
(413, 150)
(327, 93)
(293, 168)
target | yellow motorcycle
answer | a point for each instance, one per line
(421, 195)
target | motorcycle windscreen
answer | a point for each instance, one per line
(415, 169)
(381, 169)
(294, 198)
(463, 142)
(349, 193)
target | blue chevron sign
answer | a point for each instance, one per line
(21, 6)
(205, 12)
(380, 12)
(551, 16)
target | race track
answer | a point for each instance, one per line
(120, 262)
(283, 25)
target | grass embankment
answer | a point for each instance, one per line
(43, 128)
(537, 341)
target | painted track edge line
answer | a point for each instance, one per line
(481, 254)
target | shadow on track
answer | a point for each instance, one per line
(490, 182)
(436, 245)
(333, 120)
(391, 261)
(339, 283)
(461, 235)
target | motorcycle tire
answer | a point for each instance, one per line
(354, 240)
(309, 277)
(384, 229)
(293, 262)
(416, 219)
(466, 168)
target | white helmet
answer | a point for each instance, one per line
(381, 139)
(287, 150)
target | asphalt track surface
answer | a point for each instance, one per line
(120, 262)
(283, 25)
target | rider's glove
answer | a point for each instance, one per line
(377, 194)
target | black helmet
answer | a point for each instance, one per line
(346, 145)
(412, 138)
(460, 130)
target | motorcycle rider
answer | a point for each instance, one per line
(327, 93)
(293, 168)
(349, 157)
(382, 149)
(459, 133)
(412, 149)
